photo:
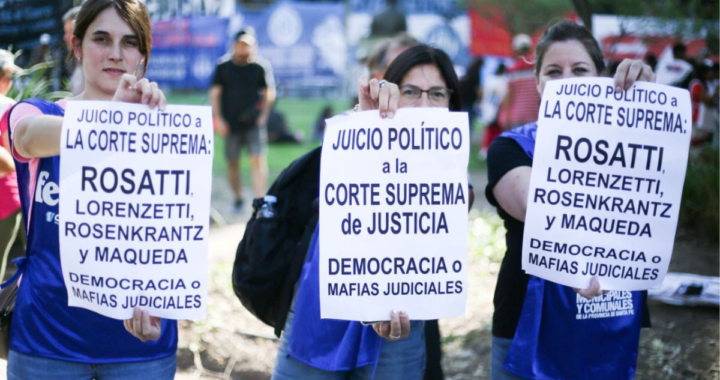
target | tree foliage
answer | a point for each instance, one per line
(522, 16)
(32, 83)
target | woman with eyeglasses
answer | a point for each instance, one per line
(314, 348)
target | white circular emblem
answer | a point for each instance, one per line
(444, 38)
(284, 26)
(202, 67)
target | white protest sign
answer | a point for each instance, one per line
(135, 207)
(607, 178)
(393, 215)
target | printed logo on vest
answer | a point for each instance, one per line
(52, 217)
(47, 192)
(614, 304)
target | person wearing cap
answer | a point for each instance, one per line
(48, 52)
(522, 101)
(241, 99)
(42, 53)
(10, 216)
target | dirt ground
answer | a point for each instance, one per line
(232, 344)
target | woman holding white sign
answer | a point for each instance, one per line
(315, 348)
(559, 345)
(48, 339)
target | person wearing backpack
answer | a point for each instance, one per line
(313, 348)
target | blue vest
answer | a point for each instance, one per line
(328, 344)
(561, 335)
(43, 324)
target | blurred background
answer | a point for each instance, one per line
(319, 49)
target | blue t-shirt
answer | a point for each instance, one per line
(43, 324)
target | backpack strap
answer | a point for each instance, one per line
(288, 291)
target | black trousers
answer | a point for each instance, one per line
(433, 351)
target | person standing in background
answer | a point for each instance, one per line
(471, 90)
(10, 215)
(47, 52)
(386, 52)
(704, 100)
(72, 71)
(522, 101)
(241, 101)
(494, 91)
(674, 69)
(389, 22)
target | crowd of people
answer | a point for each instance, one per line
(507, 98)
(109, 42)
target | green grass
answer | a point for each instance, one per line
(301, 115)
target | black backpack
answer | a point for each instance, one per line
(271, 254)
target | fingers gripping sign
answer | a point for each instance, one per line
(593, 290)
(630, 71)
(397, 328)
(134, 90)
(143, 326)
(378, 95)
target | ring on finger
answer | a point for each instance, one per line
(382, 83)
(393, 337)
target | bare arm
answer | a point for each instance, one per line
(215, 92)
(38, 136)
(511, 192)
(7, 165)
(6, 162)
(271, 96)
(266, 106)
(220, 123)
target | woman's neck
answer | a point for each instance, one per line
(92, 94)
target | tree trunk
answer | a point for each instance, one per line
(584, 10)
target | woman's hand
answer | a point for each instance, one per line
(143, 326)
(398, 327)
(132, 90)
(630, 71)
(382, 95)
(592, 291)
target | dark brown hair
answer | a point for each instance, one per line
(426, 55)
(567, 31)
(133, 12)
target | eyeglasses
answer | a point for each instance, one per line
(438, 96)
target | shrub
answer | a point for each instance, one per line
(32, 83)
(486, 243)
(699, 210)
